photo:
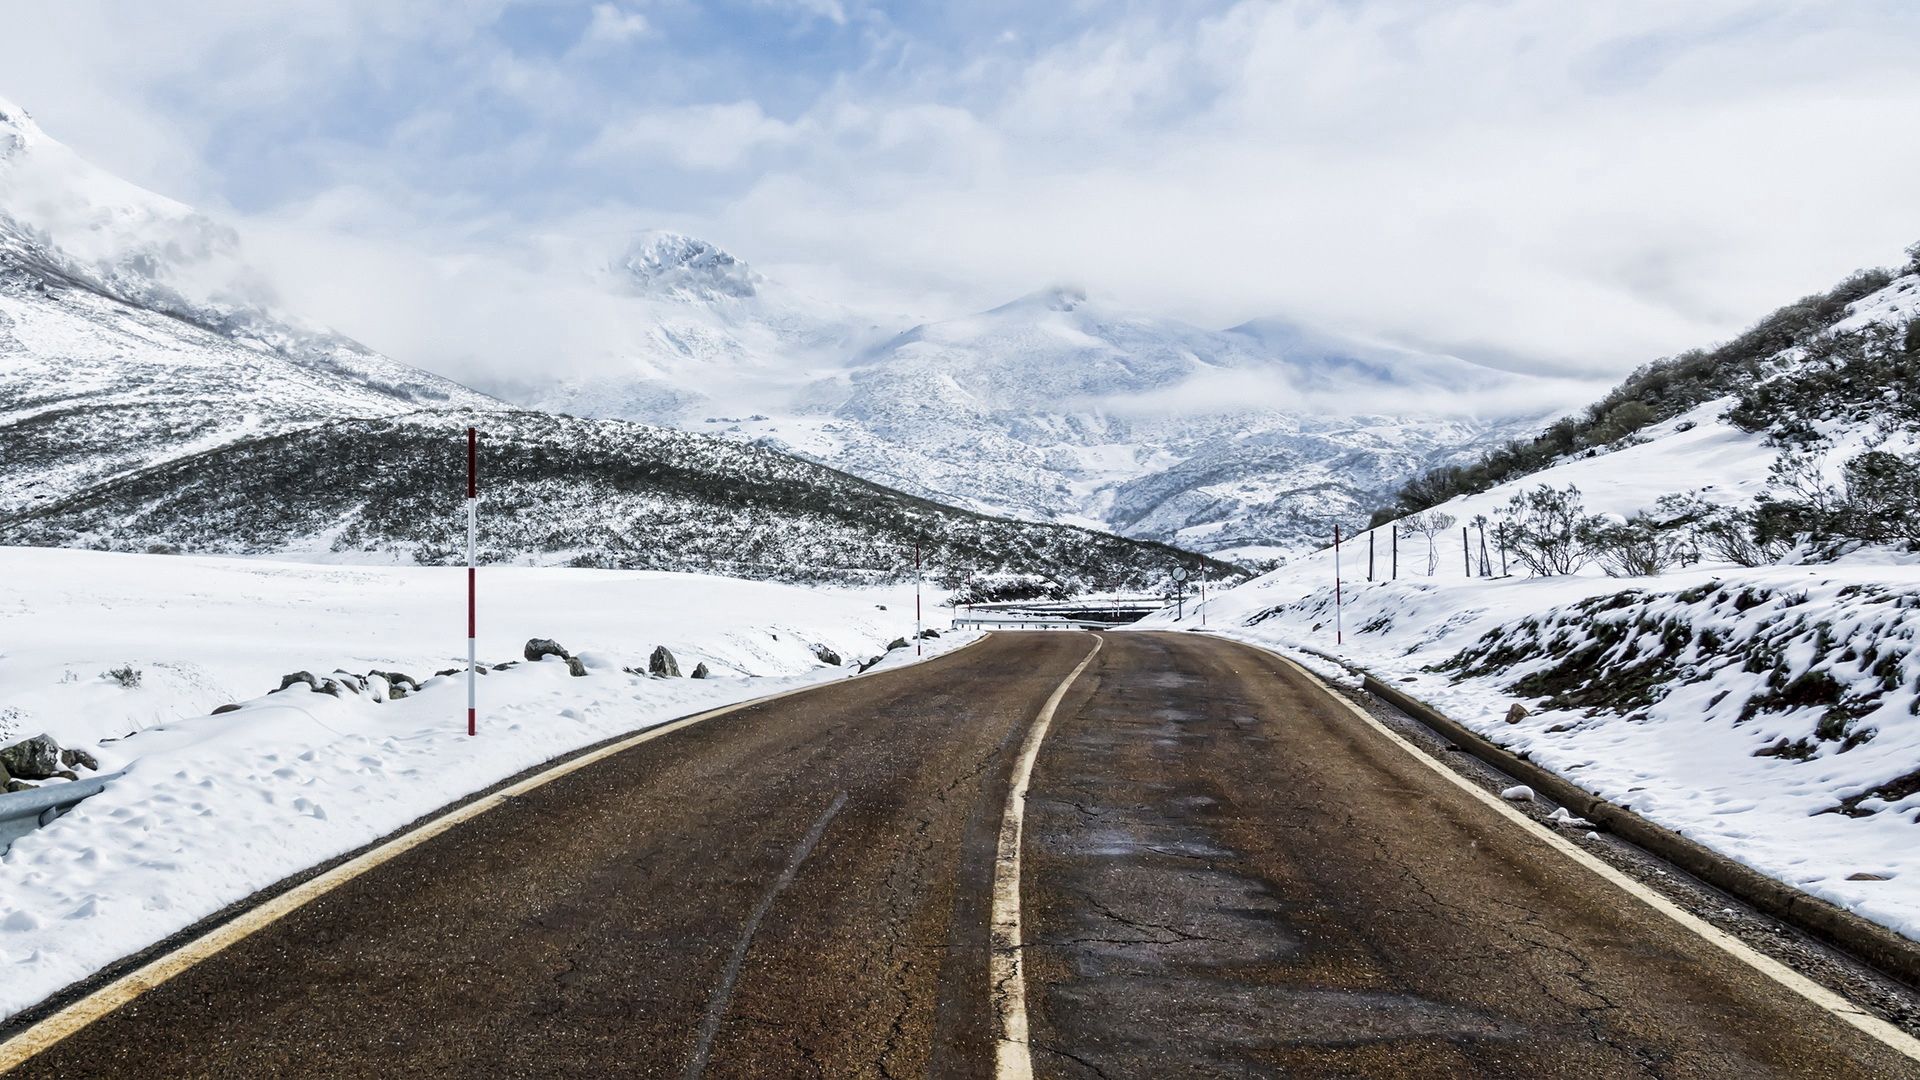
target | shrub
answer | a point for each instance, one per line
(1638, 547)
(126, 675)
(1549, 530)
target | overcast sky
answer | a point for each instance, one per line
(1551, 185)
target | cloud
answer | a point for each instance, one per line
(707, 137)
(611, 26)
(830, 10)
(1569, 189)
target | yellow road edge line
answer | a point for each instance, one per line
(1006, 970)
(62, 1024)
(1894, 1038)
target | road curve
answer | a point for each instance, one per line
(1224, 873)
(807, 855)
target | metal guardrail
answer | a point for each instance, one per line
(21, 812)
(1015, 623)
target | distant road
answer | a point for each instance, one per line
(1225, 874)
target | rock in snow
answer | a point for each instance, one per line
(700, 671)
(37, 758)
(542, 647)
(662, 663)
(826, 655)
(1517, 713)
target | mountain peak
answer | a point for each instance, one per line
(673, 264)
(1052, 298)
(17, 128)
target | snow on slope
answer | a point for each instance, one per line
(1770, 713)
(132, 332)
(215, 807)
(1052, 407)
(1696, 760)
(563, 490)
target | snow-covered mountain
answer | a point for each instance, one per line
(154, 397)
(713, 336)
(568, 491)
(132, 332)
(1055, 406)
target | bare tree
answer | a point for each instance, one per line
(1430, 524)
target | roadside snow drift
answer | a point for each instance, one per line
(213, 808)
(1767, 713)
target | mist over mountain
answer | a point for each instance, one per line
(1054, 406)
(153, 396)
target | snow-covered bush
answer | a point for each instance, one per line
(1549, 530)
(1810, 675)
(1640, 546)
(1877, 502)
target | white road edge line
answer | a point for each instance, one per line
(45, 1034)
(1897, 1040)
(1006, 968)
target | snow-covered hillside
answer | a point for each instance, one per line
(1770, 711)
(215, 807)
(131, 333)
(153, 397)
(1249, 442)
(566, 491)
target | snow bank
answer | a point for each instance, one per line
(1769, 714)
(214, 807)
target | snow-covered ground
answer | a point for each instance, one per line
(1681, 749)
(214, 807)
(1770, 713)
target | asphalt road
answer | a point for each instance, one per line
(1226, 874)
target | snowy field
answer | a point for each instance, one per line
(214, 807)
(1704, 759)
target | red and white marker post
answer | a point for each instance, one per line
(919, 639)
(473, 523)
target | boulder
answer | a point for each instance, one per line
(542, 647)
(299, 677)
(329, 687)
(700, 671)
(576, 668)
(897, 643)
(826, 655)
(398, 682)
(662, 663)
(66, 774)
(19, 785)
(32, 759)
(227, 708)
(79, 759)
(349, 680)
(929, 633)
(1517, 713)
